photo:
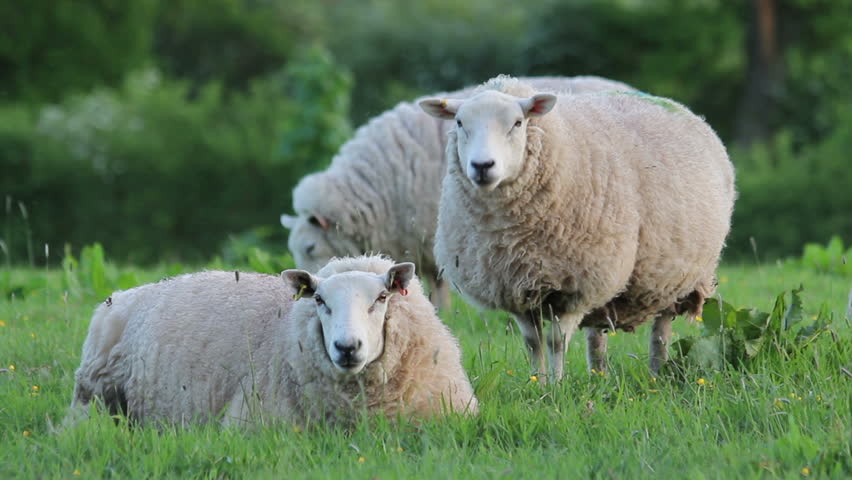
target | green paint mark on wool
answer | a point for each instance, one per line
(667, 104)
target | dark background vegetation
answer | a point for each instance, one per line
(159, 128)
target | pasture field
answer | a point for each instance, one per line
(788, 416)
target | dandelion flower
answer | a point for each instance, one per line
(297, 429)
(27, 433)
(76, 472)
(699, 319)
(612, 333)
(2, 323)
(653, 379)
(819, 397)
(12, 368)
(792, 396)
(510, 372)
(601, 373)
(35, 388)
(701, 381)
(806, 471)
(361, 459)
(33, 335)
(779, 403)
(400, 449)
(594, 371)
(533, 378)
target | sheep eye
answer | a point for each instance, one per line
(382, 298)
(459, 123)
(518, 123)
(314, 221)
(319, 300)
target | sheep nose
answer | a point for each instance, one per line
(347, 349)
(482, 167)
(310, 249)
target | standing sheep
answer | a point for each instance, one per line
(381, 192)
(210, 344)
(610, 209)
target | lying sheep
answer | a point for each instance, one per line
(610, 209)
(238, 347)
(381, 192)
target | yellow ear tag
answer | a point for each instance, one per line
(444, 102)
(300, 292)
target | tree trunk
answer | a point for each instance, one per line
(765, 73)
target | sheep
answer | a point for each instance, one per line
(360, 335)
(381, 192)
(612, 209)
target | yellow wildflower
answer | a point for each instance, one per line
(806, 471)
(27, 433)
(602, 373)
(701, 381)
(612, 333)
(594, 371)
(510, 372)
(35, 388)
(653, 379)
(33, 335)
(792, 396)
(779, 403)
(400, 449)
(76, 472)
(297, 429)
(819, 397)
(2, 323)
(361, 459)
(12, 368)
(699, 319)
(533, 378)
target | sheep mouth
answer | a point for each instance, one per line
(350, 366)
(483, 181)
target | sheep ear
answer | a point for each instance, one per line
(302, 282)
(538, 104)
(320, 221)
(440, 107)
(288, 221)
(399, 276)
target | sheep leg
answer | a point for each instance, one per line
(440, 295)
(661, 335)
(596, 349)
(562, 328)
(530, 326)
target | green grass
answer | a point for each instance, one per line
(772, 421)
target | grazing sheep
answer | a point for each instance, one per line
(381, 192)
(239, 347)
(610, 209)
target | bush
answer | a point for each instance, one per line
(788, 198)
(155, 176)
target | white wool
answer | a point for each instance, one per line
(615, 209)
(380, 194)
(206, 345)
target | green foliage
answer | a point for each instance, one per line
(789, 198)
(831, 258)
(49, 49)
(740, 337)
(231, 41)
(156, 176)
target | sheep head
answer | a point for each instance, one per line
(352, 308)
(491, 132)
